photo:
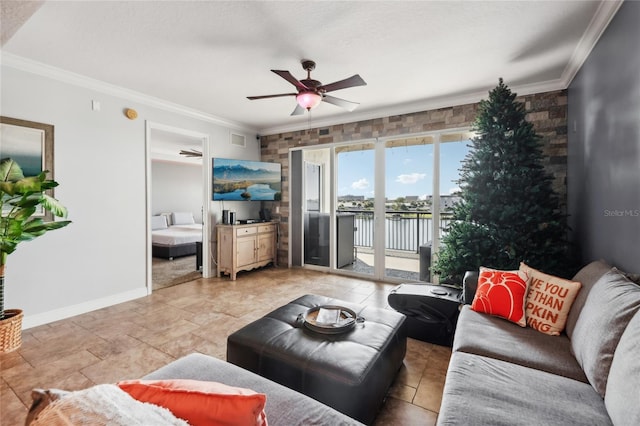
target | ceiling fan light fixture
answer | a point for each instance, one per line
(311, 92)
(308, 99)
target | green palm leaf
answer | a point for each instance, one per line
(53, 205)
(20, 198)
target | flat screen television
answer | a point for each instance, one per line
(245, 180)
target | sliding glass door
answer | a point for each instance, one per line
(421, 187)
(377, 208)
(355, 211)
(408, 219)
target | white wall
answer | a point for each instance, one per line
(99, 161)
(176, 187)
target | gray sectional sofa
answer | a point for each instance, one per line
(106, 405)
(284, 406)
(503, 374)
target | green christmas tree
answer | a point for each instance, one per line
(508, 210)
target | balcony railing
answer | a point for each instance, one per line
(404, 230)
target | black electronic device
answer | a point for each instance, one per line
(265, 215)
(249, 221)
(431, 310)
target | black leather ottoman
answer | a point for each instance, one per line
(350, 372)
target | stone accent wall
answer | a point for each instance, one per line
(547, 111)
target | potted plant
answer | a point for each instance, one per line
(20, 198)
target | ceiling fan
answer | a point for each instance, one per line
(312, 92)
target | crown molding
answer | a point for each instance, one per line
(599, 23)
(413, 107)
(39, 68)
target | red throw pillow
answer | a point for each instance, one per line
(501, 293)
(201, 403)
(549, 300)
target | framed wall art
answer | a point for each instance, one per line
(30, 144)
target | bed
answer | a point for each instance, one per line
(176, 239)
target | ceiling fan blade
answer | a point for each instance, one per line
(354, 80)
(348, 105)
(271, 96)
(291, 79)
(190, 153)
(298, 111)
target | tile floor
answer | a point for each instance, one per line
(134, 338)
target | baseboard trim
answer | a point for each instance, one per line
(30, 321)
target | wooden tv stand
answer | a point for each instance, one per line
(245, 247)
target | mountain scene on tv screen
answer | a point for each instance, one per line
(237, 180)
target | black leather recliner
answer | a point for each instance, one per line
(431, 310)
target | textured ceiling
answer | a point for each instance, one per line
(210, 55)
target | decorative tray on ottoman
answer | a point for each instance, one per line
(330, 319)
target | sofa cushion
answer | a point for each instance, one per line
(494, 338)
(98, 405)
(548, 301)
(630, 276)
(612, 302)
(501, 293)
(486, 391)
(587, 276)
(199, 402)
(624, 377)
(284, 406)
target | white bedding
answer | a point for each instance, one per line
(190, 227)
(177, 234)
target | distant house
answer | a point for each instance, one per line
(446, 202)
(351, 198)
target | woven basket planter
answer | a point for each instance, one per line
(11, 330)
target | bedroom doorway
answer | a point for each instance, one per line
(177, 206)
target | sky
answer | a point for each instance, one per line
(409, 170)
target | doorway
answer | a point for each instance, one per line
(177, 184)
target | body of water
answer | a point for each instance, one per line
(259, 192)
